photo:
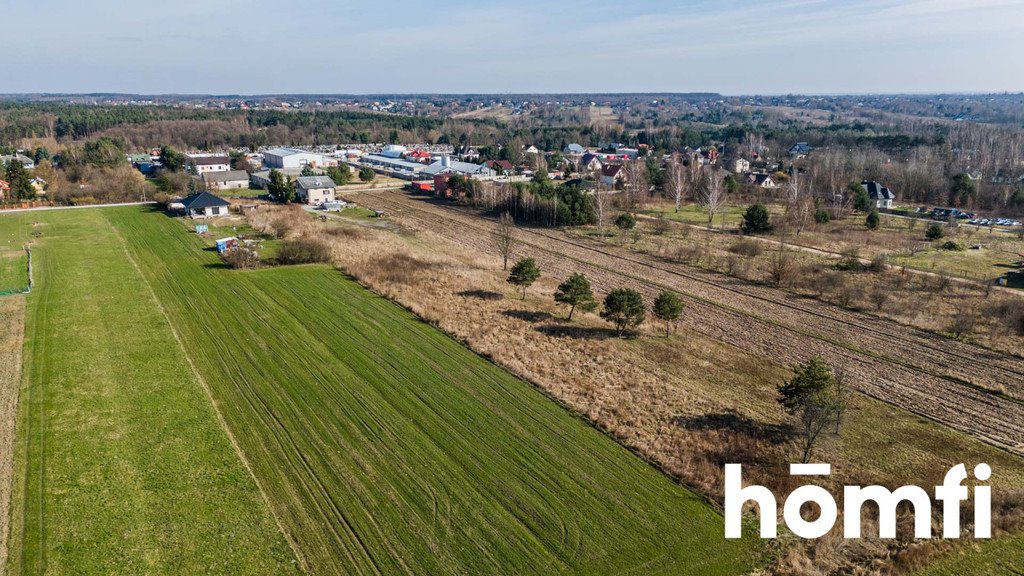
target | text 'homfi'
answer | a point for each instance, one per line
(951, 493)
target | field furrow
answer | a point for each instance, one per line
(386, 447)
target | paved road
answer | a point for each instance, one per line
(45, 208)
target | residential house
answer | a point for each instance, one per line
(740, 166)
(314, 190)
(26, 162)
(203, 163)
(230, 180)
(611, 174)
(709, 156)
(590, 162)
(759, 179)
(800, 150)
(880, 195)
(39, 185)
(531, 149)
(470, 155)
(205, 205)
(574, 150)
(500, 166)
(5, 189)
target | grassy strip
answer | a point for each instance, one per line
(123, 465)
(1004, 556)
(387, 447)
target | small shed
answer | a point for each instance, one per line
(225, 244)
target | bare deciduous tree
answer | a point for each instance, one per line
(601, 206)
(636, 184)
(676, 179)
(799, 207)
(712, 195)
(505, 238)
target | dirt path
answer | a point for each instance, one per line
(944, 380)
(12, 332)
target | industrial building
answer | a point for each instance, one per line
(396, 165)
(448, 166)
(293, 158)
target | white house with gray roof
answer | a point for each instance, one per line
(314, 190)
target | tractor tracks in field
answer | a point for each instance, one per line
(954, 383)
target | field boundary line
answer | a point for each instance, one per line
(209, 396)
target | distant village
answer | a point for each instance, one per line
(428, 168)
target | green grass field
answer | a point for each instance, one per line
(13, 271)
(386, 447)
(122, 465)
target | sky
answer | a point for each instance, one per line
(527, 46)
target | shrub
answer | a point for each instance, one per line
(934, 231)
(625, 221)
(850, 262)
(304, 251)
(953, 245)
(756, 220)
(241, 258)
(874, 220)
(747, 247)
(661, 225)
(879, 263)
(821, 216)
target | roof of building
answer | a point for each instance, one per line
(589, 157)
(209, 160)
(611, 170)
(495, 164)
(226, 176)
(203, 200)
(575, 149)
(455, 166)
(394, 162)
(876, 191)
(287, 152)
(759, 178)
(314, 182)
(24, 159)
